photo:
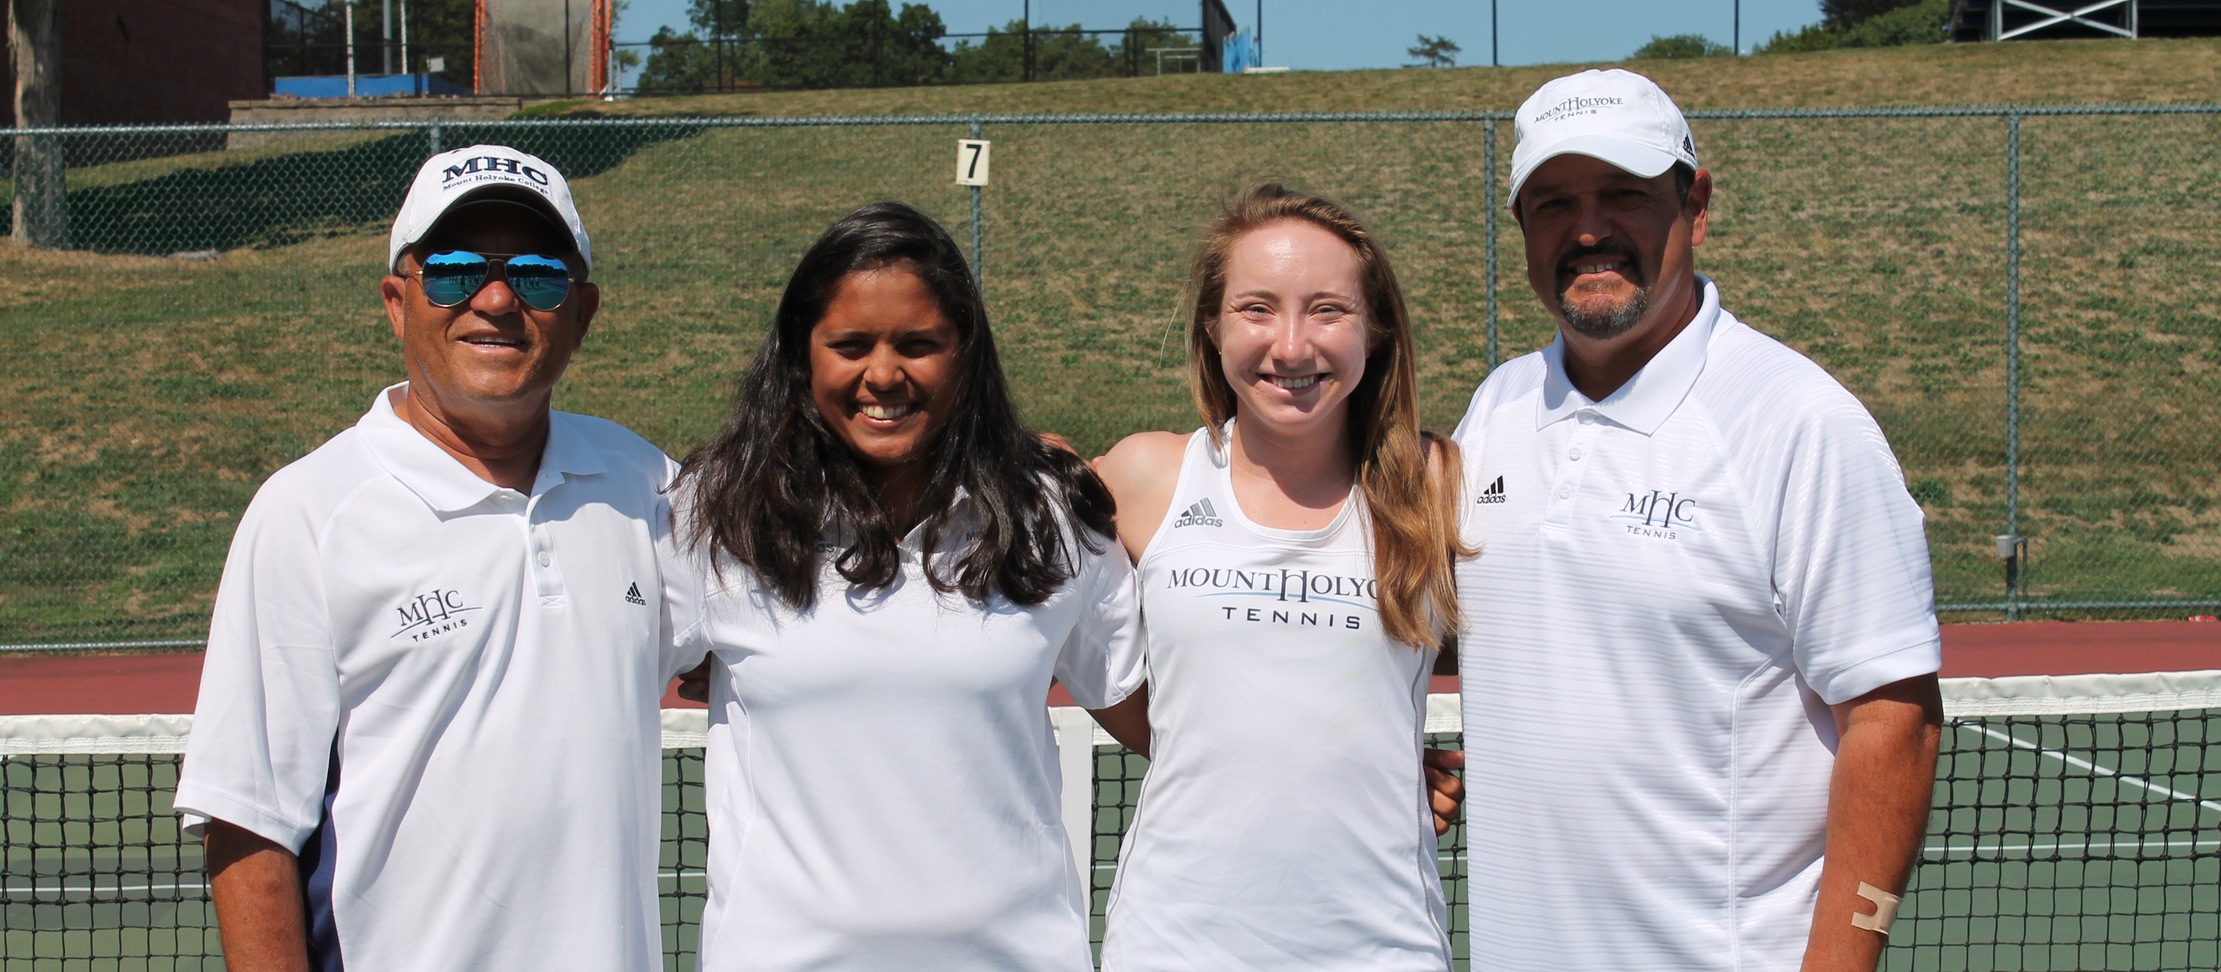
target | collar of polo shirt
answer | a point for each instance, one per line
(1646, 400)
(442, 482)
(840, 535)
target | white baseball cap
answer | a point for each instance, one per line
(1617, 116)
(462, 175)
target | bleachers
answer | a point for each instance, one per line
(1972, 20)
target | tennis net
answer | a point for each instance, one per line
(2077, 825)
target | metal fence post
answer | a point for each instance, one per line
(433, 133)
(1488, 223)
(2016, 577)
(979, 267)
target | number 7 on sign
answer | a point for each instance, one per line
(971, 162)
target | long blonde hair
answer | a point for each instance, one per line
(1414, 514)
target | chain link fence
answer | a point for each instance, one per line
(2022, 297)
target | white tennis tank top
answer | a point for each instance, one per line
(1284, 821)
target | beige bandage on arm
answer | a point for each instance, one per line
(1885, 909)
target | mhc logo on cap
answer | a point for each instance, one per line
(1617, 116)
(456, 176)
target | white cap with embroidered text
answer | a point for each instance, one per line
(480, 172)
(1618, 116)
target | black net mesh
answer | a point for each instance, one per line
(2057, 842)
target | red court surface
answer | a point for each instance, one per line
(32, 684)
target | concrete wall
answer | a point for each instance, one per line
(286, 111)
(130, 61)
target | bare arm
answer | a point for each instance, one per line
(1141, 471)
(1128, 721)
(260, 911)
(1878, 798)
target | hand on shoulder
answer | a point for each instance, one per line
(1141, 471)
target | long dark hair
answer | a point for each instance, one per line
(766, 489)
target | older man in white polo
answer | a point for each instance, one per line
(1700, 699)
(427, 734)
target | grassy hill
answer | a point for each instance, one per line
(144, 396)
(2021, 72)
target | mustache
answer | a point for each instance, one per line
(1610, 248)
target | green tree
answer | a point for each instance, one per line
(1060, 53)
(1434, 52)
(998, 57)
(681, 63)
(798, 44)
(1923, 22)
(702, 59)
(1680, 46)
(1811, 37)
(1844, 13)
(1143, 35)
(813, 44)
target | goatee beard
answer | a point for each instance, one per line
(1605, 324)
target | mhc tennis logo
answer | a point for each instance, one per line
(491, 163)
(1577, 105)
(433, 612)
(1277, 595)
(1658, 514)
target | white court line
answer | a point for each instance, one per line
(2088, 766)
(98, 888)
(203, 886)
(2099, 846)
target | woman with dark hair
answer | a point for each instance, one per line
(1294, 557)
(896, 568)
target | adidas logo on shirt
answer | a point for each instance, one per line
(1494, 493)
(1201, 514)
(633, 594)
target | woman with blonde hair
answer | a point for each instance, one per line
(1294, 557)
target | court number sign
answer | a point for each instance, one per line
(971, 161)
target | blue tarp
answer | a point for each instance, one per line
(1239, 52)
(368, 86)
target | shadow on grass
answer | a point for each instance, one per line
(289, 198)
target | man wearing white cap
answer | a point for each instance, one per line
(1701, 712)
(427, 734)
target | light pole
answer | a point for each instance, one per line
(1492, 62)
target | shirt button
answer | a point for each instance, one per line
(1574, 453)
(1588, 417)
(545, 559)
(1566, 491)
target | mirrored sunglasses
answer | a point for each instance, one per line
(453, 276)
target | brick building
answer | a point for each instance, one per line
(134, 61)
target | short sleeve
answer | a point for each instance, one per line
(269, 705)
(1851, 560)
(683, 576)
(1100, 663)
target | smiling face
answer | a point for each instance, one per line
(1291, 334)
(883, 371)
(1610, 251)
(491, 357)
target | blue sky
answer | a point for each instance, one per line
(1333, 35)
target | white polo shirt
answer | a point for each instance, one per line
(443, 694)
(882, 781)
(1674, 584)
